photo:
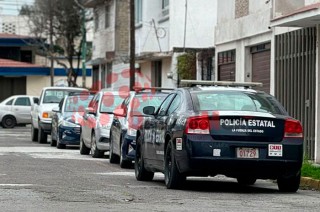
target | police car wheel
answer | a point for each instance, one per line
(289, 184)
(173, 178)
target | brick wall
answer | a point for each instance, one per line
(122, 28)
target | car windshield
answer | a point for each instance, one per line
(110, 102)
(77, 103)
(54, 96)
(146, 99)
(236, 101)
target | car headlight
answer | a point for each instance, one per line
(46, 115)
(66, 123)
(132, 132)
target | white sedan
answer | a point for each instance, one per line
(16, 110)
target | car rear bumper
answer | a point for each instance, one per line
(198, 158)
(69, 135)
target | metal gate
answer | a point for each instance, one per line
(295, 79)
(12, 86)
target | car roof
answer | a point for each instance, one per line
(22, 96)
(64, 88)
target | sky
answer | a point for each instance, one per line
(12, 7)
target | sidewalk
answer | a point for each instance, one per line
(309, 183)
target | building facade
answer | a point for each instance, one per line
(274, 42)
(16, 44)
(110, 52)
(166, 31)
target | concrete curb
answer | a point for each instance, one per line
(309, 183)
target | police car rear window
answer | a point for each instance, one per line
(236, 101)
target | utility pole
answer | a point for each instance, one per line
(51, 44)
(132, 45)
(84, 43)
(84, 48)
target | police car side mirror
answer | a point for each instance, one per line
(149, 110)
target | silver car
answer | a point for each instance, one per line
(16, 109)
(97, 120)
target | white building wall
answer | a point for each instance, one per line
(242, 33)
(100, 44)
(12, 24)
(201, 20)
(151, 26)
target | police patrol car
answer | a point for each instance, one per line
(227, 128)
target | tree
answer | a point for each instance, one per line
(59, 20)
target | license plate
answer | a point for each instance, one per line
(247, 153)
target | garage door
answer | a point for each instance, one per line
(227, 72)
(12, 86)
(227, 66)
(261, 67)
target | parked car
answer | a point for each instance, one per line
(67, 119)
(97, 120)
(126, 122)
(41, 112)
(209, 130)
(16, 109)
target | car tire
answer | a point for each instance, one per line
(60, 145)
(9, 122)
(125, 164)
(140, 171)
(84, 150)
(246, 180)
(96, 153)
(34, 133)
(53, 141)
(289, 184)
(42, 136)
(173, 178)
(113, 158)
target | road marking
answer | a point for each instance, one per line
(16, 185)
(131, 174)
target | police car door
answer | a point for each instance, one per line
(160, 128)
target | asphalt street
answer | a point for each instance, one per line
(37, 177)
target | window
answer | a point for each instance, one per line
(165, 7)
(22, 101)
(227, 57)
(107, 16)
(96, 20)
(236, 101)
(138, 11)
(165, 4)
(175, 104)
(164, 106)
(9, 102)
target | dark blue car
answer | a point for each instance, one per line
(209, 130)
(127, 120)
(67, 119)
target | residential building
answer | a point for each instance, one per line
(110, 51)
(274, 42)
(169, 30)
(17, 44)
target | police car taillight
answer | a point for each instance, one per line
(197, 125)
(293, 128)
